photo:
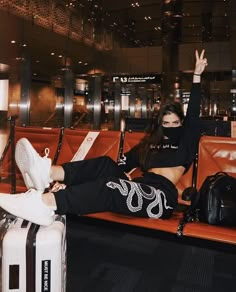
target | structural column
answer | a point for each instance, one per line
(132, 101)
(232, 24)
(25, 84)
(143, 96)
(232, 14)
(97, 99)
(171, 35)
(69, 85)
(117, 104)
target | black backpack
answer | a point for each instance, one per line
(214, 203)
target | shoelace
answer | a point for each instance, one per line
(46, 151)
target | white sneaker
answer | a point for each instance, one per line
(28, 206)
(34, 168)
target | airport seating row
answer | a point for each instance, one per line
(214, 154)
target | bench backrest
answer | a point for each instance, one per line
(107, 143)
(215, 154)
(41, 138)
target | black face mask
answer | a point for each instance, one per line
(173, 133)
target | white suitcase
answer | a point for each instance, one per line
(33, 256)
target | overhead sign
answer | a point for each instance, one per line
(137, 79)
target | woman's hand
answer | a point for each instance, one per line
(57, 187)
(128, 175)
(201, 62)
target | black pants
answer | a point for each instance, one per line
(98, 185)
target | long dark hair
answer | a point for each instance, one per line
(154, 138)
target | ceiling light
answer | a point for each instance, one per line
(20, 59)
(177, 15)
(168, 13)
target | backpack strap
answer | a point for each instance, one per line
(191, 214)
(85, 146)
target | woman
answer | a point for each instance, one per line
(100, 184)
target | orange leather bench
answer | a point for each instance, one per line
(214, 154)
(40, 138)
(63, 144)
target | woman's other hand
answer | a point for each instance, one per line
(57, 187)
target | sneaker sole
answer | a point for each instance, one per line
(13, 210)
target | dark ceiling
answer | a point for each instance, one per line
(146, 22)
(49, 30)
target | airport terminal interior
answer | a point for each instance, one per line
(102, 65)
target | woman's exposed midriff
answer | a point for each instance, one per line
(171, 173)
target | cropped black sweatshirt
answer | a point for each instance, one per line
(180, 152)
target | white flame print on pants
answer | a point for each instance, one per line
(158, 197)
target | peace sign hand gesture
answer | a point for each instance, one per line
(201, 62)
